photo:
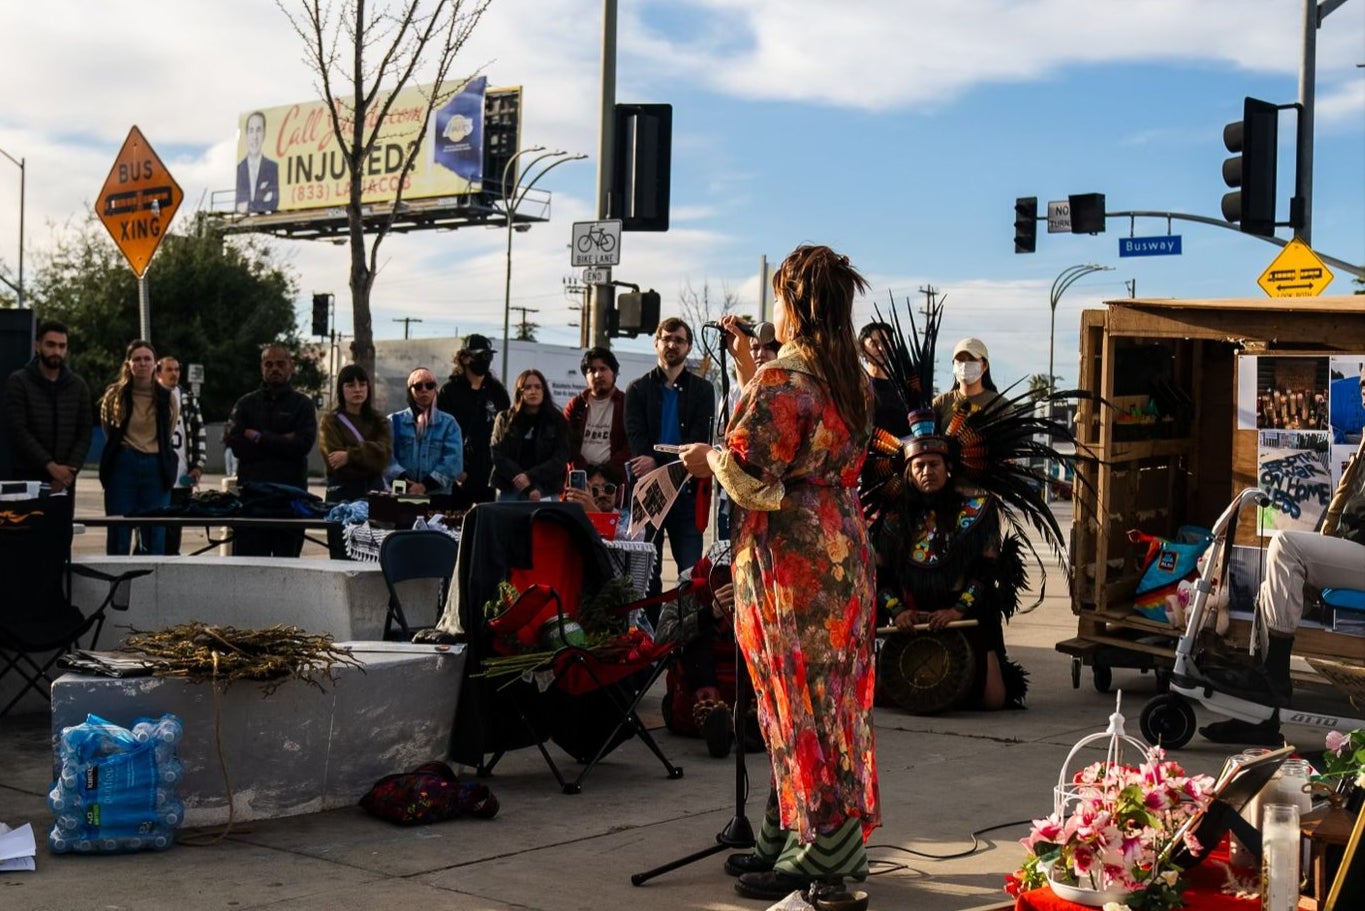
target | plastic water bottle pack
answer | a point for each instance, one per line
(116, 790)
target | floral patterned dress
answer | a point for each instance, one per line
(804, 600)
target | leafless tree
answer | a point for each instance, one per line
(699, 308)
(363, 54)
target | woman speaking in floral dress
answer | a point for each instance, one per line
(803, 578)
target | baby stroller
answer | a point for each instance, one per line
(1201, 675)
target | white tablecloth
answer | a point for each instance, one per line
(635, 558)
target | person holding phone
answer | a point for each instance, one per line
(600, 491)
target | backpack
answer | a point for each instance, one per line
(429, 793)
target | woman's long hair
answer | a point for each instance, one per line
(112, 402)
(817, 287)
(349, 374)
(547, 402)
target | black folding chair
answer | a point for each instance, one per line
(39, 623)
(418, 554)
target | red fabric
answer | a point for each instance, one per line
(1205, 893)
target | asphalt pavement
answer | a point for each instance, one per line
(943, 778)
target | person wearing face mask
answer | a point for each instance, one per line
(972, 376)
(428, 448)
(474, 397)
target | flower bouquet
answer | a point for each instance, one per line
(1112, 839)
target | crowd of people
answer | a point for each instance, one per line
(854, 500)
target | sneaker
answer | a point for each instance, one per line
(719, 730)
(772, 885)
(739, 864)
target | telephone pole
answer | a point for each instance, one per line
(523, 327)
(407, 321)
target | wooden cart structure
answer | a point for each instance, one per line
(1184, 468)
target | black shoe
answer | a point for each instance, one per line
(1265, 734)
(739, 864)
(772, 885)
(719, 730)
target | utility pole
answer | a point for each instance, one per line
(603, 296)
(523, 327)
(407, 321)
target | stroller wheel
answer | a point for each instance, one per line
(1168, 721)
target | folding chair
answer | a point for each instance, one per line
(39, 623)
(406, 556)
(553, 556)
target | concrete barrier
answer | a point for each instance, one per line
(299, 749)
(342, 597)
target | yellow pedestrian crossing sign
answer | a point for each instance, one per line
(1296, 272)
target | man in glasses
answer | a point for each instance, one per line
(670, 404)
(597, 415)
(272, 431)
(473, 396)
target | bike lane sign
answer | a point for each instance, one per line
(596, 243)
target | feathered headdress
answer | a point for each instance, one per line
(992, 449)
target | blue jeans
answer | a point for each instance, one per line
(135, 484)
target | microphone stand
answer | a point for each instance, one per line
(737, 833)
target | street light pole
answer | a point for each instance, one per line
(19, 288)
(1064, 280)
(512, 197)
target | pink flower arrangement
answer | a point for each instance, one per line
(1116, 832)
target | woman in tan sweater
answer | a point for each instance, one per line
(137, 468)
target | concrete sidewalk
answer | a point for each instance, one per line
(942, 777)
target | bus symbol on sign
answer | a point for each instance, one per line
(138, 200)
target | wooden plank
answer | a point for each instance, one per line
(1329, 303)
(1325, 330)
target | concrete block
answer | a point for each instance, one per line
(341, 597)
(298, 750)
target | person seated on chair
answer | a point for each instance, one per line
(1335, 558)
(601, 495)
(939, 562)
(701, 618)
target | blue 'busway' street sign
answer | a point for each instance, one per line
(1162, 245)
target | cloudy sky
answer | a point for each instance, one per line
(897, 131)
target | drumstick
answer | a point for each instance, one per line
(920, 627)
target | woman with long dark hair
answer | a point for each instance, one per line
(356, 440)
(804, 605)
(530, 443)
(137, 467)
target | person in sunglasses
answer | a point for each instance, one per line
(428, 449)
(602, 493)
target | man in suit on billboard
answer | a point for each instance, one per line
(258, 177)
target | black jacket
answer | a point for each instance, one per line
(46, 421)
(113, 444)
(475, 410)
(644, 409)
(276, 457)
(551, 450)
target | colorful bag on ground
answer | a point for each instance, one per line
(429, 793)
(1165, 565)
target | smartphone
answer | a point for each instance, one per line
(578, 479)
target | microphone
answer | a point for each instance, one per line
(764, 331)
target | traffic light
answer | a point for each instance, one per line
(1026, 224)
(1255, 136)
(635, 313)
(1087, 213)
(642, 166)
(320, 307)
(1252, 172)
